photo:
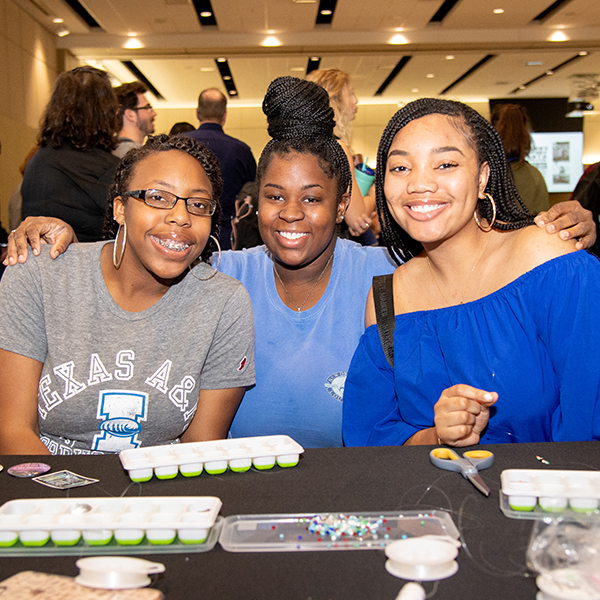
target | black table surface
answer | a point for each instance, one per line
(329, 480)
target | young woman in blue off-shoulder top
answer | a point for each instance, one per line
(496, 331)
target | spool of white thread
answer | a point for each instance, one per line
(426, 558)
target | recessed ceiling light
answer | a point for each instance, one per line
(534, 63)
(206, 70)
(232, 92)
(133, 43)
(58, 20)
(498, 11)
(583, 53)
(430, 75)
(398, 39)
(415, 90)
(314, 58)
(522, 87)
(206, 14)
(326, 12)
(549, 72)
(558, 36)
(63, 32)
(226, 77)
(271, 41)
(449, 57)
(221, 60)
(297, 69)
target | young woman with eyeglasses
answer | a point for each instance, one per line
(136, 341)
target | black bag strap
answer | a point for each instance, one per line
(383, 297)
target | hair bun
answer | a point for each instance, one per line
(297, 108)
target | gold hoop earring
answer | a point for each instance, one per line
(214, 268)
(123, 244)
(491, 224)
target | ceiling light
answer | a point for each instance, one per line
(399, 29)
(559, 26)
(415, 90)
(270, 31)
(297, 69)
(232, 93)
(398, 39)
(522, 87)
(449, 57)
(549, 72)
(430, 75)
(498, 11)
(58, 20)
(558, 36)
(326, 12)
(206, 14)
(133, 43)
(221, 60)
(271, 41)
(583, 53)
(206, 70)
(132, 34)
(62, 32)
(226, 77)
(534, 63)
(315, 58)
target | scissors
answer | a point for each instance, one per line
(473, 461)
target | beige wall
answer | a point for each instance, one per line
(28, 69)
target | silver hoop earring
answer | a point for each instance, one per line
(116, 262)
(491, 224)
(214, 268)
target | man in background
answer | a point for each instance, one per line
(137, 116)
(235, 157)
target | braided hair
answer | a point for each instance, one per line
(154, 145)
(301, 120)
(484, 139)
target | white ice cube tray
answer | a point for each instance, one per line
(157, 520)
(190, 459)
(541, 490)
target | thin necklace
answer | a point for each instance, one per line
(467, 282)
(299, 308)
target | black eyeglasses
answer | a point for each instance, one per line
(200, 207)
(147, 107)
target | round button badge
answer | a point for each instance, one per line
(28, 469)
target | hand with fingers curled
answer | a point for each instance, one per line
(462, 413)
(35, 231)
(571, 221)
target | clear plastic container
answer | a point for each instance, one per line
(330, 531)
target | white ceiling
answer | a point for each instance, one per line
(178, 55)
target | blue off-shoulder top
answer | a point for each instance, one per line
(535, 341)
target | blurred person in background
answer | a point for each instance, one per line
(181, 127)
(137, 116)
(235, 157)
(338, 85)
(514, 126)
(70, 174)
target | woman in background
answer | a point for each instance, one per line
(361, 210)
(514, 126)
(70, 174)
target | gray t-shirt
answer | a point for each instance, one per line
(114, 379)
